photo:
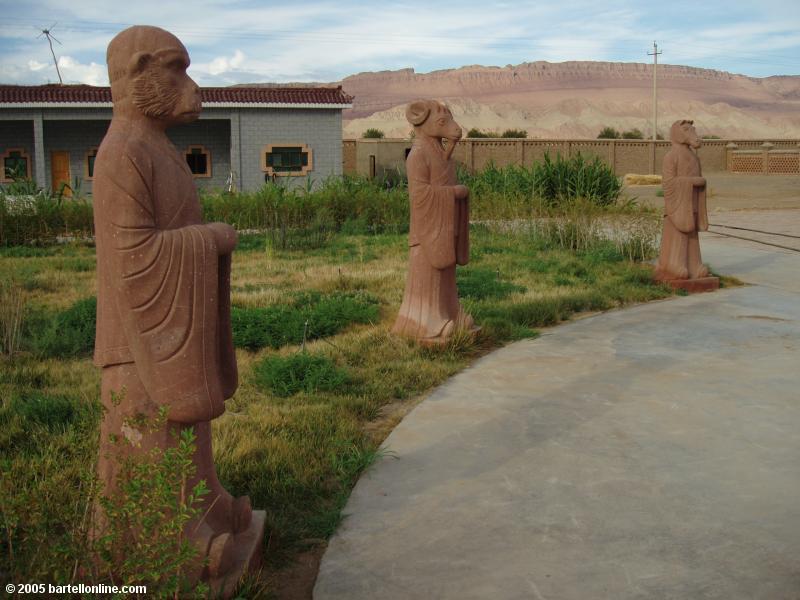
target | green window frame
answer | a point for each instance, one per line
(16, 164)
(286, 159)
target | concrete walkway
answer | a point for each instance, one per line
(647, 453)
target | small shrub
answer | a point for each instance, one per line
(632, 134)
(514, 133)
(301, 372)
(608, 133)
(477, 133)
(373, 133)
(147, 514)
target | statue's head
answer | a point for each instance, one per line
(433, 119)
(682, 132)
(147, 69)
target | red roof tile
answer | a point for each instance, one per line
(229, 95)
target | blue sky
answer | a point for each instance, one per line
(238, 41)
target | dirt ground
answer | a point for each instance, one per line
(730, 191)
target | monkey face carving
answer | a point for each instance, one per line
(161, 87)
(147, 69)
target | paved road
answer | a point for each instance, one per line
(647, 453)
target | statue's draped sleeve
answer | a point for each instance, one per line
(436, 216)
(678, 192)
(168, 287)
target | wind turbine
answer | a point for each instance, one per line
(50, 38)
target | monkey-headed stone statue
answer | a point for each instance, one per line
(439, 231)
(163, 291)
(685, 215)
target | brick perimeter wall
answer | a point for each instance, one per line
(626, 156)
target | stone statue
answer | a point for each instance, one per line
(439, 231)
(163, 291)
(685, 215)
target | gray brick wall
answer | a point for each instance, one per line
(320, 129)
(215, 136)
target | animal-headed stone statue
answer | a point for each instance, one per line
(163, 289)
(439, 231)
(685, 207)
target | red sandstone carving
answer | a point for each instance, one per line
(163, 279)
(685, 209)
(439, 231)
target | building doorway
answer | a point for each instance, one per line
(59, 173)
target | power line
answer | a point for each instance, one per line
(655, 54)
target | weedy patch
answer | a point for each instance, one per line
(312, 315)
(285, 376)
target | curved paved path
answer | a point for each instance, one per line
(647, 453)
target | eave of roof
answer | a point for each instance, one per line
(84, 96)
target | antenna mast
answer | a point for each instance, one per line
(50, 38)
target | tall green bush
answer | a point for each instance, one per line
(553, 181)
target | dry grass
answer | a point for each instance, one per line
(636, 179)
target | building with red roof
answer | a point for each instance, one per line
(244, 137)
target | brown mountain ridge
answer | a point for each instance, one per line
(578, 98)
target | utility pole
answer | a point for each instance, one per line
(50, 38)
(655, 54)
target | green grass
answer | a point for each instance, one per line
(285, 376)
(302, 425)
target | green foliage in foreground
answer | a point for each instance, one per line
(302, 426)
(153, 503)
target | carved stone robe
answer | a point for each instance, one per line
(163, 313)
(438, 241)
(685, 215)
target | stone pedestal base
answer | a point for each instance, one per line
(693, 286)
(246, 557)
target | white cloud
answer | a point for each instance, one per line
(322, 40)
(223, 64)
(74, 71)
(35, 65)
